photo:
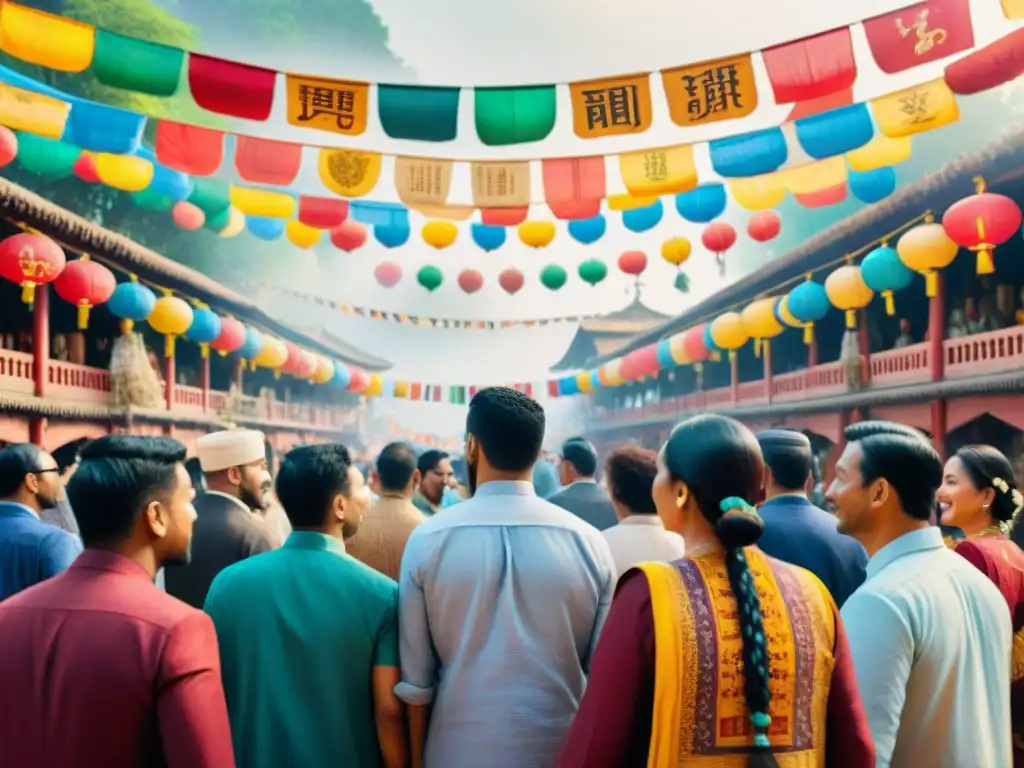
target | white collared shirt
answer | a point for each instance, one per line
(641, 539)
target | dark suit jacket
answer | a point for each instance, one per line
(589, 502)
(799, 533)
(98, 667)
(223, 534)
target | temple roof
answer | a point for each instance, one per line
(604, 334)
(1002, 162)
(71, 230)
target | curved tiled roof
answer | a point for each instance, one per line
(26, 207)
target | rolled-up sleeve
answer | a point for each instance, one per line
(415, 646)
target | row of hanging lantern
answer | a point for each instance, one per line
(30, 260)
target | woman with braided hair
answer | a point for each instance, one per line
(726, 658)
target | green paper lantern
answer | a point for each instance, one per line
(682, 283)
(152, 200)
(212, 196)
(553, 277)
(218, 222)
(430, 278)
(593, 271)
(47, 157)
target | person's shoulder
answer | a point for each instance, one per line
(371, 581)
(241, 575)
(54, 538)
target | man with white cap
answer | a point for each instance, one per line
(230, 527)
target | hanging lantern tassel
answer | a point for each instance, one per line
(851, 319)
(169, 346)
(931, 284)
(83, 315)
(28, 293)
(127, 325)
(890, 303)
(732, 355)
(808, 333)
(985, 265)
(757, 347)
(222, 352)
(204, 351)
(252, 365)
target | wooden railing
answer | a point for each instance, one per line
(984, 353)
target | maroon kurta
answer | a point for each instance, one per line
(100, 669)
(613, 726)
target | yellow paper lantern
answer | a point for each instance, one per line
(927, 248)
(439, 234)
(170, 317)
(759, 193)
(302, 235)
(583, 382)
(536, 234)
(760, 322)
(127, 173)
(676, 250)
(608, 374)
(376, 386)
(847, 291)
(236, 223)
(324, 370)
(272, 354)
(263, 202)
(677, 348)
(401, 389)
(729, 333)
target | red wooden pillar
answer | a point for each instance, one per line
(766, 359)
(239, 375)
(204, 381)
(734, 378)
(812, 352)
(40, 356)
(169, 390)
(864, 342)
(937, 361)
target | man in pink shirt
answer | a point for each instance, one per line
(98, 667)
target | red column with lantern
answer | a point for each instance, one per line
(937, 360)
(734, 379)
(40, 356)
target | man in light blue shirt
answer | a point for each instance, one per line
(501, 600)
(930, 635)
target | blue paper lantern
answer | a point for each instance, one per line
(832, 133)
(749, 154)
(392, 235)
(205, 328)
(642, 219)
(702, 204)
(342, 375)
(808, 303)
(710, 342)
(167, 182)
(252, 345)
(567, 386)
(587, 231)
(132, 302)
(883, 272)
(595, 380)
(264, 227)
(663, 353)
(488, 237)
(874, 185)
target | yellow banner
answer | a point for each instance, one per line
(1013, 9)
(611, 107)
(349, 173)
(880, 152)
(125, 172)
(759, 193)
(501, 185)
(814, 177)
(423, 181)
(657, 172)
(50, 41)
(915, 110)
(723, 89)
(336, 106)
(263, 202)
(33, 112)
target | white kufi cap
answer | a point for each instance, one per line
(230, 448)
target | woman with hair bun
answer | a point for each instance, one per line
(978, 496)
(726, 657)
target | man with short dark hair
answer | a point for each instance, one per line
(582, 495)
(501, 601)
(931, 636)
(97, 666)
(31, 550)
(386, 528)
(436, 474)
(795, 530)
(309, 635)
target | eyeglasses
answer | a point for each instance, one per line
(44, 471)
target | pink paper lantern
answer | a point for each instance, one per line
(188, 216)
(388, 274)
(470, 280)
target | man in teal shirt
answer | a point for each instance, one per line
(308, 635)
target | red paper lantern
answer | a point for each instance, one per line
(85, 168)
(360, 380)
(639, 363)
(28, 260)
(294, 362)
(85, 284)
(8, 145)
(232, 336)
(764, 226)
(306, 366)
(470, 280)
(981, 222)
(633, 263)
(694, 345)
(718, 238)
(188, 216)
(349, 235)
(511, 281)
(388, 274)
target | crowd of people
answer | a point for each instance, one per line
(692, 608)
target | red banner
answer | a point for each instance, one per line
(920, 34)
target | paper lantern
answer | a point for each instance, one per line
(709, 342)
(439, 234)
(981, 222)
(231, 336)
(293, 360)
(587, 231)
(847, 291)
(642, 219)
(719, 238)
(349, 235)
(784, 315)
(301, 235)
(8, 146)
(760, 322)
(85, 284)
(764, 226)
(488, 237)
(252, 345)
(324, 370)
(171, 317)
(132, 302)
(470, 281)
(235, 224)
(127, 173)
(359, 379)
(511, 281)
(808, 303)
(633, 263)
(85, 169)
(694, 344)
(927, 248)
(702, 204)
(342, 375)
(430, 278)
(883, 272)
(664, 351)
(553, 277)
(204, 330)
(273, 354)
(676, 251)
(264, 227)
(872, 186)
(640, 362)
(536, 234)
(307, 365)
(28, 259)
(391, 235)
(567, 386)
(388, 274)
(610, 374)
(592, 271)
(729, 332)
